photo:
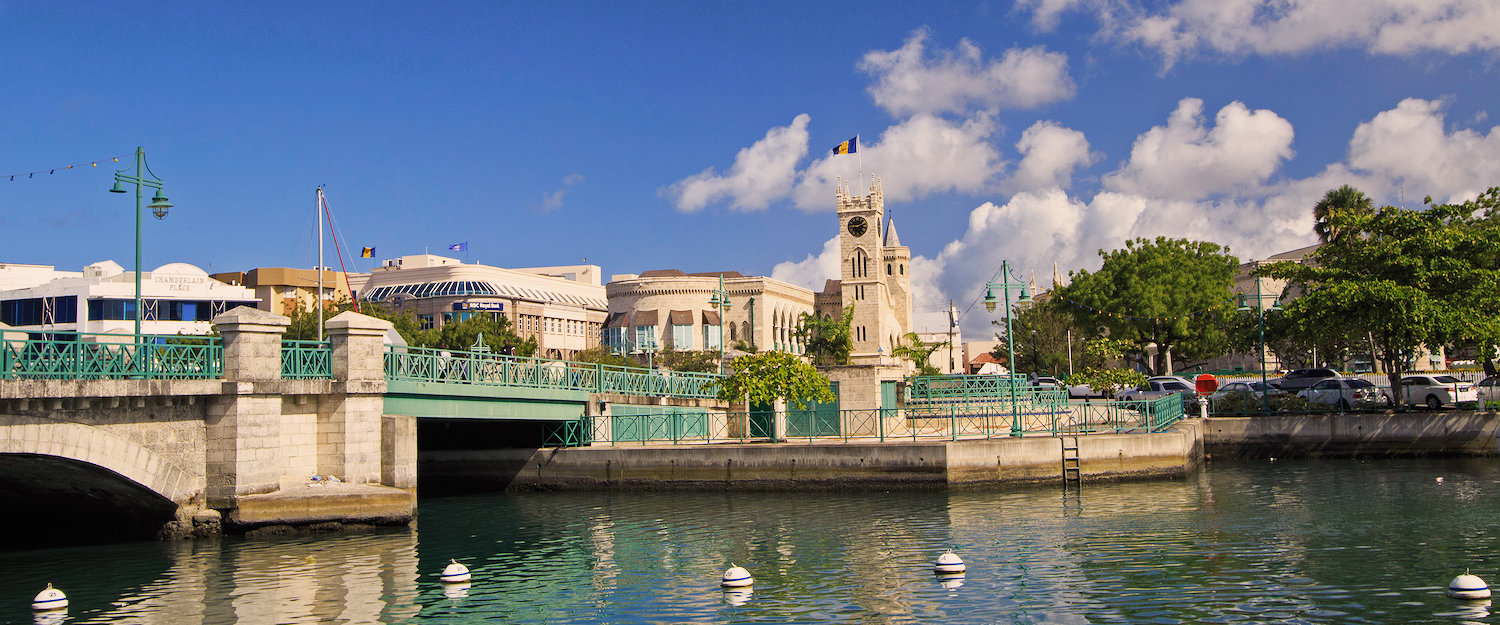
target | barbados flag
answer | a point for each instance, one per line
(848, 147)
(368, 252)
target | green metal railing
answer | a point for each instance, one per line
(667, 425)
(419, 364)
(303, 360)
(948, 387)
(91, 355)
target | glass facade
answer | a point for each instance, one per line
(37, 311)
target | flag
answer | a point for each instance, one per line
(459, 247)
(848, 147)
(368, 252)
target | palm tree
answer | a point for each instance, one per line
(1343, 200)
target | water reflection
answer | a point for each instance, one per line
(1308, 542)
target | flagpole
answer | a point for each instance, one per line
(861, 156)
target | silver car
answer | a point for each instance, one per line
(1345, 393)
(1436, 391)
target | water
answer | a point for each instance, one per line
(1283, 542)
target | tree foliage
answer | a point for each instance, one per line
(764, 377)
(1174, 293)
(828, 341)
(688, 360)
(1403, 278)
(456, 336)
(1041, 344)
(919, 353)
(1098, 354)
(1341, 201)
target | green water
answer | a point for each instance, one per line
(1264, 542)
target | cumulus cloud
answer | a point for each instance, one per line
(811, 272)
(1051, 154)
(1408, 144)
(1181, 29)
(554, 200)
(908, 80)
(761, 174)
(1184, 160)
(920, 156)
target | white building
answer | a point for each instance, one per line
(176, 298)
(668, 307)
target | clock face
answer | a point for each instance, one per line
(857, 226)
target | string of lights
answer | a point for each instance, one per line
(32, 174)
(1116, 315)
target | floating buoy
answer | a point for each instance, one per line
(54, 599)
(1440, 479)
(455, 573)
(1468, 586)
(736, 577)
(949, 563)
(738, 596)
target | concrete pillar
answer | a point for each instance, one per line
(350, 425)
(243, 424)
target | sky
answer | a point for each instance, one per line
(697, 135)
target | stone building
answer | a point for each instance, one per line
(284, 290)
(669, 307)
(874, 277)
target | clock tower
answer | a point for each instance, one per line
(870, 280)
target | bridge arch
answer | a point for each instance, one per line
(101, 448)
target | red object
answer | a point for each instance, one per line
(1206, 383)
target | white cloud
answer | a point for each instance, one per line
(1184, 160)
(920, 156)
(1179, 30)
(1051, 152)
(811, 272)
(908, 80)
(554, 200)
(761, 174)
(1408, 144)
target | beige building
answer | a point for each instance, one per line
(283, 290)
(656, 309)
(563, 308)
(875, 277)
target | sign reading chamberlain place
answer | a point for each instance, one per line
(180, 283)
(478, 305)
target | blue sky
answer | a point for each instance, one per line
(695, 135)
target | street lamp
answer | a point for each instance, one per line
(159, 206)
(720, 302)
(1260, 316)
(1010, 339)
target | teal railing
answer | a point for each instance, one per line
(306, 360)
(91, 355)
(420, 364)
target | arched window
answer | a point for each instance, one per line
(887, 269)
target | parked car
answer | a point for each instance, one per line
(1298, 379)
(1488, 389)
(1345, 393)
(1239, 389)
(1162, 386)
(1084, 391)
(1436, 391)
(1046, 383)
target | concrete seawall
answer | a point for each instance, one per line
(1391, 434)
(922, 464)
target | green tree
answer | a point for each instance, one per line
(764, 377)
(600, 354)
(1174, 293)
(304, 321)
(1041, 344)
(688, 360)
(1343, 200)
(1098, 354)
(828, 341)
(1409, 278)
(912, 348)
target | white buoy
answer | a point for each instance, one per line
(1468, 586)
(736, 577)
(54, 599)
(949, 563)
(455, 573)
(1440, 479)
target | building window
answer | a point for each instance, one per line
(645, 338)
(711, 336)
(682, 336)
(425, 321)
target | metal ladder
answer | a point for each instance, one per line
(1072, 468)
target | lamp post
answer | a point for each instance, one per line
(1010, 340)
(159, 206)
(1260, 316)
(720, 302)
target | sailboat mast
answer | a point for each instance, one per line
(319, 305)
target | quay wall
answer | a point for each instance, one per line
(917, 465)
(1388, 434)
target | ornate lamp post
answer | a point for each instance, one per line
(143, 177)
(720, 302)
(1010, 340)
(1260, 317)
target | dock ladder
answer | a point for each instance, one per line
(1072, 468)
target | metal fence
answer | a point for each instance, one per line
(303, 360)
(659, 425)
(94, 355)
(487, 368)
